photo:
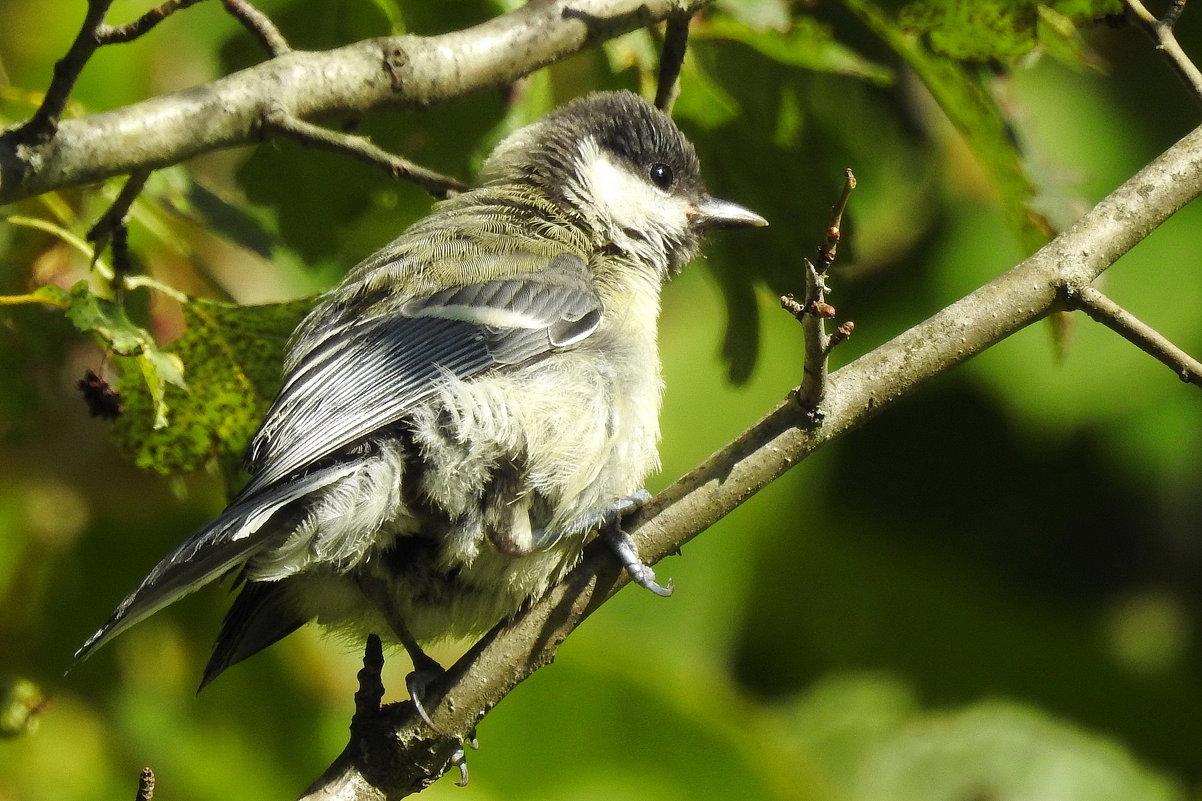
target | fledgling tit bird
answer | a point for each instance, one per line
(470, 404)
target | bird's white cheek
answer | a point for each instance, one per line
(628, 200)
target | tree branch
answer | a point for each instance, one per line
(119, 34)
(93, 34)
(816, 310)
(360, 147)
(1161, 33)
(145, 786)
(44, 122)
(671, 59)
(1143, 336)
(259, 25)
(388, 71)
(401, 754)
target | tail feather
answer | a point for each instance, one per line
(247, 526)
(261, 615)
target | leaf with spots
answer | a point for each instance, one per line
(232, 355)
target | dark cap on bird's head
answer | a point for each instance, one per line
(617, 151)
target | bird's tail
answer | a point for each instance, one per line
(260, 616)
(248, 525)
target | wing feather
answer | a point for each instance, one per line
(367, 375)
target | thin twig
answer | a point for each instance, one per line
(94, 33)
(43, 125)
(1110, 314)
(816, 310)
(118, 34)
(826, 253)
(1161, 33)
(100, 233)
(362, 148)
(1173, 13)
(260, 25)
(671, 59)
(110, 229)
(145, 786)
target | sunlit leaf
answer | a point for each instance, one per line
(232, 355)
(964, 93)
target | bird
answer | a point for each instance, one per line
(469, 406)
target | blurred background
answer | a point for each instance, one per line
(991, 592)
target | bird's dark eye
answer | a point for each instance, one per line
(661, 175)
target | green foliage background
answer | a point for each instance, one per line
(991, 592)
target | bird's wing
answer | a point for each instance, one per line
(366, 376)
(358, 380)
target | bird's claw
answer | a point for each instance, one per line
(417, 683)
(623, 547)
(459, 760)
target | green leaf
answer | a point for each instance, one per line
(964, 93)
(106, 319)
(972, 30)
(706, 102)
(232, 355)
(109, 322)
(758, 13)
(999, 30)
(52, 295)
(158, 370)
(802, 43)
(1060, 38)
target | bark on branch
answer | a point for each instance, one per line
(399, 754)
(388, 71)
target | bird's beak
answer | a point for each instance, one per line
(710, 213)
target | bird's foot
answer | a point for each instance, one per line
(425, 672)
(618, 540)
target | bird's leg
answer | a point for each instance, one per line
(425, 671)
(425, 668)
(611, 529)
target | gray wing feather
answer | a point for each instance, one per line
(366, 376)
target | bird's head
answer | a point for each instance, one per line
(620, 167)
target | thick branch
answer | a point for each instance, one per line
(404, 754)
(388, 71)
